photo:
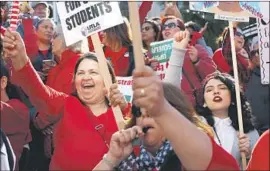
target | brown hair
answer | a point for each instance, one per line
(121, 33)
(180, 102)
(180, 22)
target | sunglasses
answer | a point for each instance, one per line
(237, 33)
(169, 25)
(147, 28)
(254, 52)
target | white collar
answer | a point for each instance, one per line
(227, 121)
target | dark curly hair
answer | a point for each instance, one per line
(246, 109)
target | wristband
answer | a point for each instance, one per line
(195, 62)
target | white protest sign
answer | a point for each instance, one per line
(233, 10)
(125, 87)
(80, 19)
(161, 51)
(264, 35)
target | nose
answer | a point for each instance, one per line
(216, 91)
(87, 77)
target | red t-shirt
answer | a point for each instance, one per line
(260, 155)
(119, 60)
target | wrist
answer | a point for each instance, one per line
(110, 160)
(194, 62)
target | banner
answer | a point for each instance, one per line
(233, 10)
(125, 87)
(161, 51)
(264, 36)
(81, 19)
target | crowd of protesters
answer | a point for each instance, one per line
(56, 113)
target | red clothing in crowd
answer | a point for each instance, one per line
(60, 77)
(222, 64)
(78, 145)
(260, 156)
(15, 121)
(196, 73)
(221, 159)
(119, 60)
(195, 36)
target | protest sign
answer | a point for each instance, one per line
(264, 34)
(81, 19)
(125, 87)
(161, 51)
(233, 10)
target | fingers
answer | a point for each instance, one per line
(139, 75)
(179, 36)
(116, 97)
(124, 137)
(143, 71)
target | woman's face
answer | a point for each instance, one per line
(105, 38)
(154, 135)
(148, 33)
(45, 31)
(239, 41)
(217, 96)
(58, 46)
(169, 29)
(255, 58)
(89, 83)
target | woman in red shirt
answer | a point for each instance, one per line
(118, 47)
(87, 122)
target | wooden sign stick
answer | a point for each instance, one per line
(107, 78)
(136, 33)
(237, 91)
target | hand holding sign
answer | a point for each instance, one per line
(116, 97)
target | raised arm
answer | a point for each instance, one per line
(44, 98)
(174, 71)
(193, 147)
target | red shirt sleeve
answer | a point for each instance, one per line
(144, 9)
(195, 37)
(221, 160)
(205, 65)
(44, 98)
(30, 38)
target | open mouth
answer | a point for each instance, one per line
(217, 99)
(88, 86)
